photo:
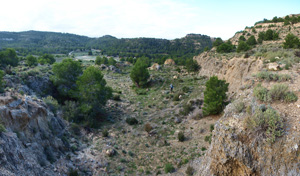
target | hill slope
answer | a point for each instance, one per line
(36, 42)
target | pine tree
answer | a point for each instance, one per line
(214, 96)
(139, 73)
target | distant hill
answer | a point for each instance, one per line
(37, 42)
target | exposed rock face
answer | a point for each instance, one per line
(32, 139)
(169, 62)
(235, 71)
(234, 153)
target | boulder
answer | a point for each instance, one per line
(155, 66)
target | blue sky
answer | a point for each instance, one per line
(141, 18)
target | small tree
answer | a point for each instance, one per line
(218, 42)
(139, 73)
(101, 60)
(251, 41)
(112, 61)
(31, 60)
(214, 96)
(225, 47)
(92, 92)
(291, 41)
(65, 76)
(242, 46)
(192, 65)
(242, 38)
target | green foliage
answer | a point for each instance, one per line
(226, 47)
(291, 41)
(132, 121)
(187, 108)
(277, 92)
(290, 97)
(192, 65)
(105, 133)
(73, 172)
(242, 46)
(169, 168)
(211, 127)
(46, 58)
(239, 106)
(242, 38)
(189, 171)
(139, 73)
(267, 122)
(71, 111)
(214, 96)
(2, 128)
(31, 60)
(101, 60)
(180, 136)
(208, 138)
(65, 76)
(8, 57)
(92, 91)
(177, 95)
(251, 40)
(51, 103)
(218, 42)
(270, 76)
(1, 81)
(261, 93)
(112, 61)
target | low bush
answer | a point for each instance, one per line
(260, 92)
(51, 103)
(177, 95)
(116, 97)
(132, 121)
(148, 127)
(268, 123)
(169, 168)
(290, 97)
(189, 171)
(239, 106)
(105, 133)
(277, 92)
(187, 108)
(208, 138)
(269, 76)
(180, 136)
(2, 128)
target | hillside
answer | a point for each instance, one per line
(36, 42)
(240, 143)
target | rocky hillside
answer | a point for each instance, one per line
(240, 149)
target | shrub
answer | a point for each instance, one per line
(192, 65)
(208, 138)
(75, 129)
(214, 96)
(169, 168)
(211, 127)
(226, 47)
(269, 76)
(51, 103)
(260, 92)
(290, 97)
(242, 46)
(239, 106)
(116, 97)
(291, 41)
(73, 172)
(251, 40)
(101, 60)
(148, 127)
(177, 95)
(185, 89)
(71, 111)
(105, 133)
(277, 92)
(189, 171)
(112, 61)
(2, 128)
(31, 60)
(132, 121)
(187, 108)
(218, 42)
(180, 136)
(268, 123)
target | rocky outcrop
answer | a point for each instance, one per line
(233, 152)
(33, 137)
(235, 71)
